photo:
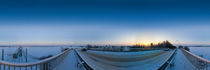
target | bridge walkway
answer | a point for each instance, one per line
(70, 63)
(180, 62)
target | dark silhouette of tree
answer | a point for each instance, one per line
(187, 48)
(151, 45)
(169, 45)
(89, 46)
(180, 46)
(166, 44)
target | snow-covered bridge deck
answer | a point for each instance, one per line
(180, 62)
(70, 63)
(125, 61)
(147, 61)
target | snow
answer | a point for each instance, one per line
(181, 62)
(32, 52)
(149, 61)
(103, 60)
(69, 63)
(204, 51)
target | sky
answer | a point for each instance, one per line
(104, 22)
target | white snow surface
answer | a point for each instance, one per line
(181, 62)
(69, 63)
(32, 52)
(147, 64)
(204, 51)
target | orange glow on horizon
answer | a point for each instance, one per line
(146, 43)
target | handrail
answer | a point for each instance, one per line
(195, 56)
(34, 63)
(198, 62)
(87, 67)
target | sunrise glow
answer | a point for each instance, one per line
(146, 43)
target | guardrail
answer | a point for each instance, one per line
(86, 66)
(46, 64)
(130, 49)
(199, 63)
(168, 61)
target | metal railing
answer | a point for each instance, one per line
(86, 66)
(130, 50)
(198, 63)
(167, 63)
(46, 64)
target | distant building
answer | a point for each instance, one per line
(126, 48)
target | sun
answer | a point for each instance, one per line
(146, 43)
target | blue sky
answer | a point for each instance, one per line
(118, 22)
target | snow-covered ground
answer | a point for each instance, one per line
(147, 60)
(33, 53)
(201, 51)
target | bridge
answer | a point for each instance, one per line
(151, 60)
(75, 59)
(178, 59)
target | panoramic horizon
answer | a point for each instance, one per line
(104, 22)
(104, 34)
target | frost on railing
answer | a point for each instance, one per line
(198, 62)
(46, 64)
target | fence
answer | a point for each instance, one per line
(198, 62)
(46, 64)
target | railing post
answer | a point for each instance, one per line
(26, 68)
(41, 66)
(9, 67)
(31, 67)
(36, 67)
(4, 66)
(46, 65)
(206, 65)
(2, 58)
(26, 55)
